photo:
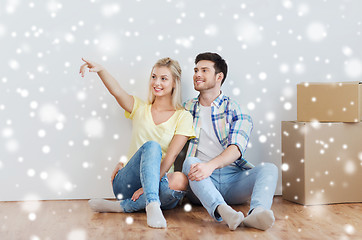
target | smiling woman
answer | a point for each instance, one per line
(144, 182)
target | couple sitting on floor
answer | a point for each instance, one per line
(214, 172)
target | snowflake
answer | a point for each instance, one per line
(129, 220)
(353, 68)
(187, 207)
(77, 234)
(316, 31)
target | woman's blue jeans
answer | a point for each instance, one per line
(232, 185)
(143, 170)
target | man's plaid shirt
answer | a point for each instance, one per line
(231, 126)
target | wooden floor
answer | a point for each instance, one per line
(73, 220)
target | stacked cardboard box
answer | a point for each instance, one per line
(329, 102)
(322, 151)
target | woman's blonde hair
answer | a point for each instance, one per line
(175, 69)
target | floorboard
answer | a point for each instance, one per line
(74, 220)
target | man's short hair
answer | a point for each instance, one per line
(219, 63)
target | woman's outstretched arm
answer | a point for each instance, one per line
(123, 98)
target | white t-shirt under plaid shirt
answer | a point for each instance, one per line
(231, 126)
(209, 146)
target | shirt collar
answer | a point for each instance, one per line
(219, 100)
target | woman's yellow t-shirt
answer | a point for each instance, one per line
(144, 128)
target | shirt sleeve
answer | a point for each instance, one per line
(136, 105)
(184, 125)
(240, 129)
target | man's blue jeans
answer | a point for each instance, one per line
(143, 170)
(232, 185)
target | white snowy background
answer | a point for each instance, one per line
(61, 135)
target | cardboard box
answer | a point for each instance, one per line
(329, 102)
(321, 163)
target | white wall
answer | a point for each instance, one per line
(61, 135)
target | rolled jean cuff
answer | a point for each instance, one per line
(216, 216)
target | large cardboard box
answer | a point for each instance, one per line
(329, 102)
(321, 162)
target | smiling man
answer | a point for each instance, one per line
(218, 174)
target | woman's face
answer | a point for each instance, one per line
(161, 81)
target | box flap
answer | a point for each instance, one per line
(325, 83)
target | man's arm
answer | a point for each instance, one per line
(200, 171)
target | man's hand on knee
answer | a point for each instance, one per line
(200, 171)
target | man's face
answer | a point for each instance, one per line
(204, 76)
